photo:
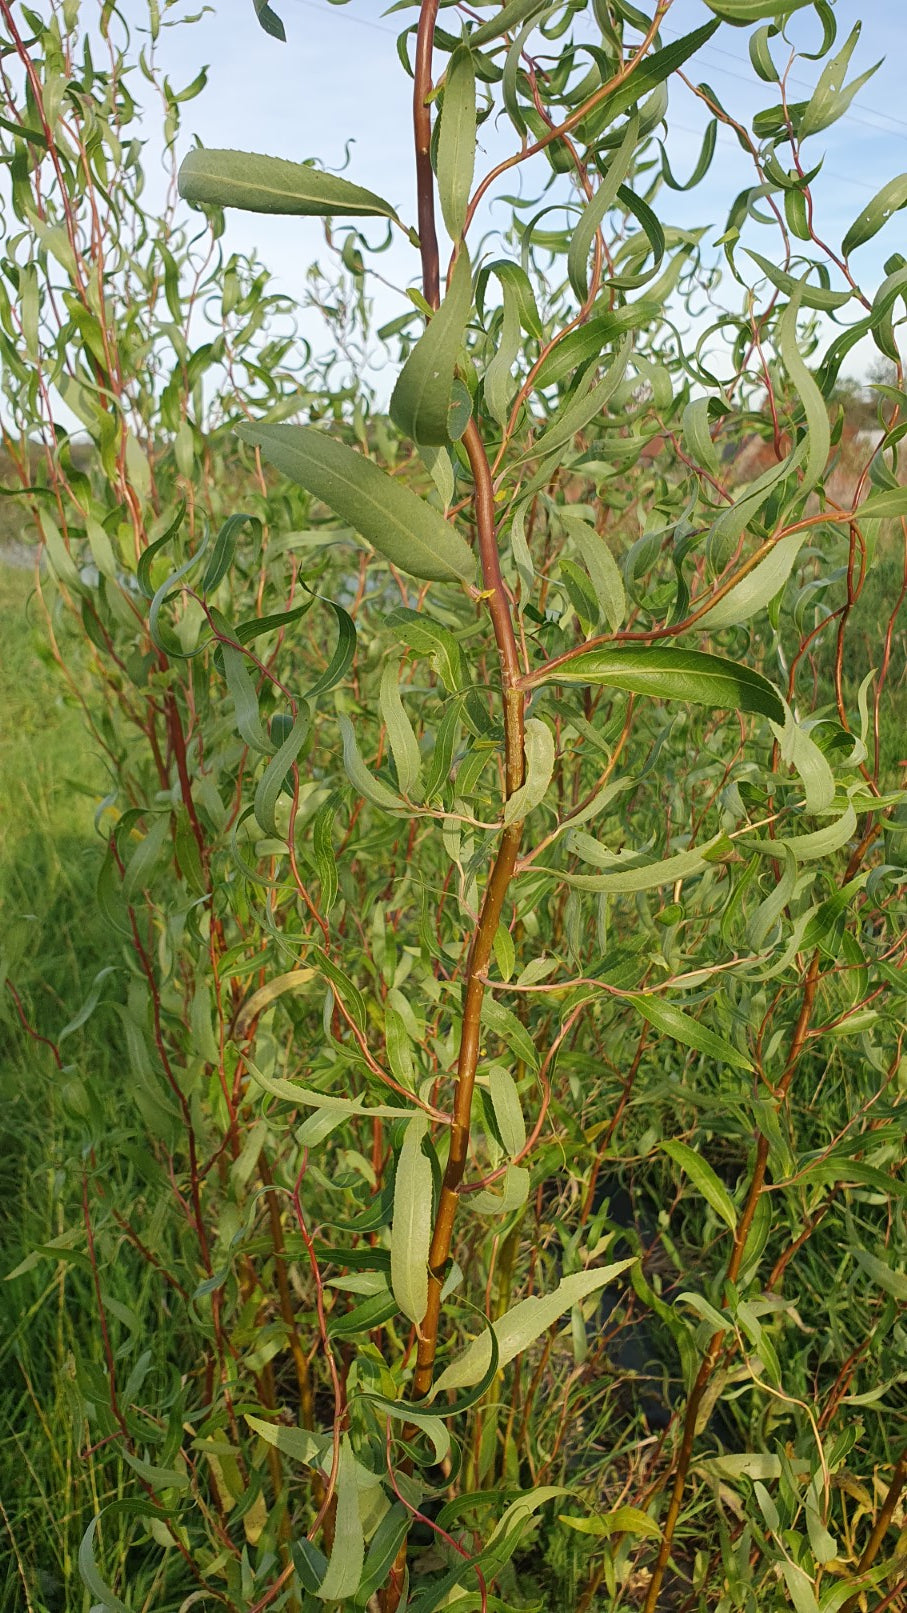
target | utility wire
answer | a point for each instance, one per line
(900, 124)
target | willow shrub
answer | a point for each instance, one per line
(504, 818)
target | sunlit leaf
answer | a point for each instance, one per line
(668, 674)
(408, 532)
(261, 184)
(421, 400)
(521, 1326)
(411, 1227)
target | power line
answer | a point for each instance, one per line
(708, 50)
(745, 78)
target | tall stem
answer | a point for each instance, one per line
(505, 638)
(425, 183)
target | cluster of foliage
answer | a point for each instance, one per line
(504, 846)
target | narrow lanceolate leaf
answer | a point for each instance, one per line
(740, 12)
(830, 100)
(538, 746)
(269, 20)
(421, 400)
(684, 1028)
(668, 674)
(308, 1098)
(411, 534)
(342, 657)
(457, 140)
(603, 570)
(104, 1597)
(876, 213)
(260, 184)
(804, 755)
(893, 1282)
(508, 1111)
(498, 381)
(403, 742)
(887, 505)
(811, 297)
(817, 423)
(271, 781)
(597, 208)
(364, 782)
(701, 1174)
(630, 872)
(344, 1570)
(575, 415)
(657, 67)
(411, 1227)
(510, 16)
(524, 1323)
(245, 700)
(752, 593)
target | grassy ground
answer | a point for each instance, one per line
(52, 944)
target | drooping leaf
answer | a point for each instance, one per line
(701, 1174)
(818, 429)
(348, 1549)
(628, 871)
(421, 400)
(407, 531)
(245, 701)
(740, 12)
(272, 779)
(342, 658)
(225, 546)
(364, 782)
(269, 20)
(596, 209)
(403, 742)
(538, 746)
(524, 1323)
(508, 1111)
(498, 382)
(668, 674)
(411, 1227)
(88, 1571)
(260, 184)
(603, 570)
(803, 754)
(509, 16)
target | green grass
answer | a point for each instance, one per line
(53, 945)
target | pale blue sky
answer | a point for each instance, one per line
(338, 78)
